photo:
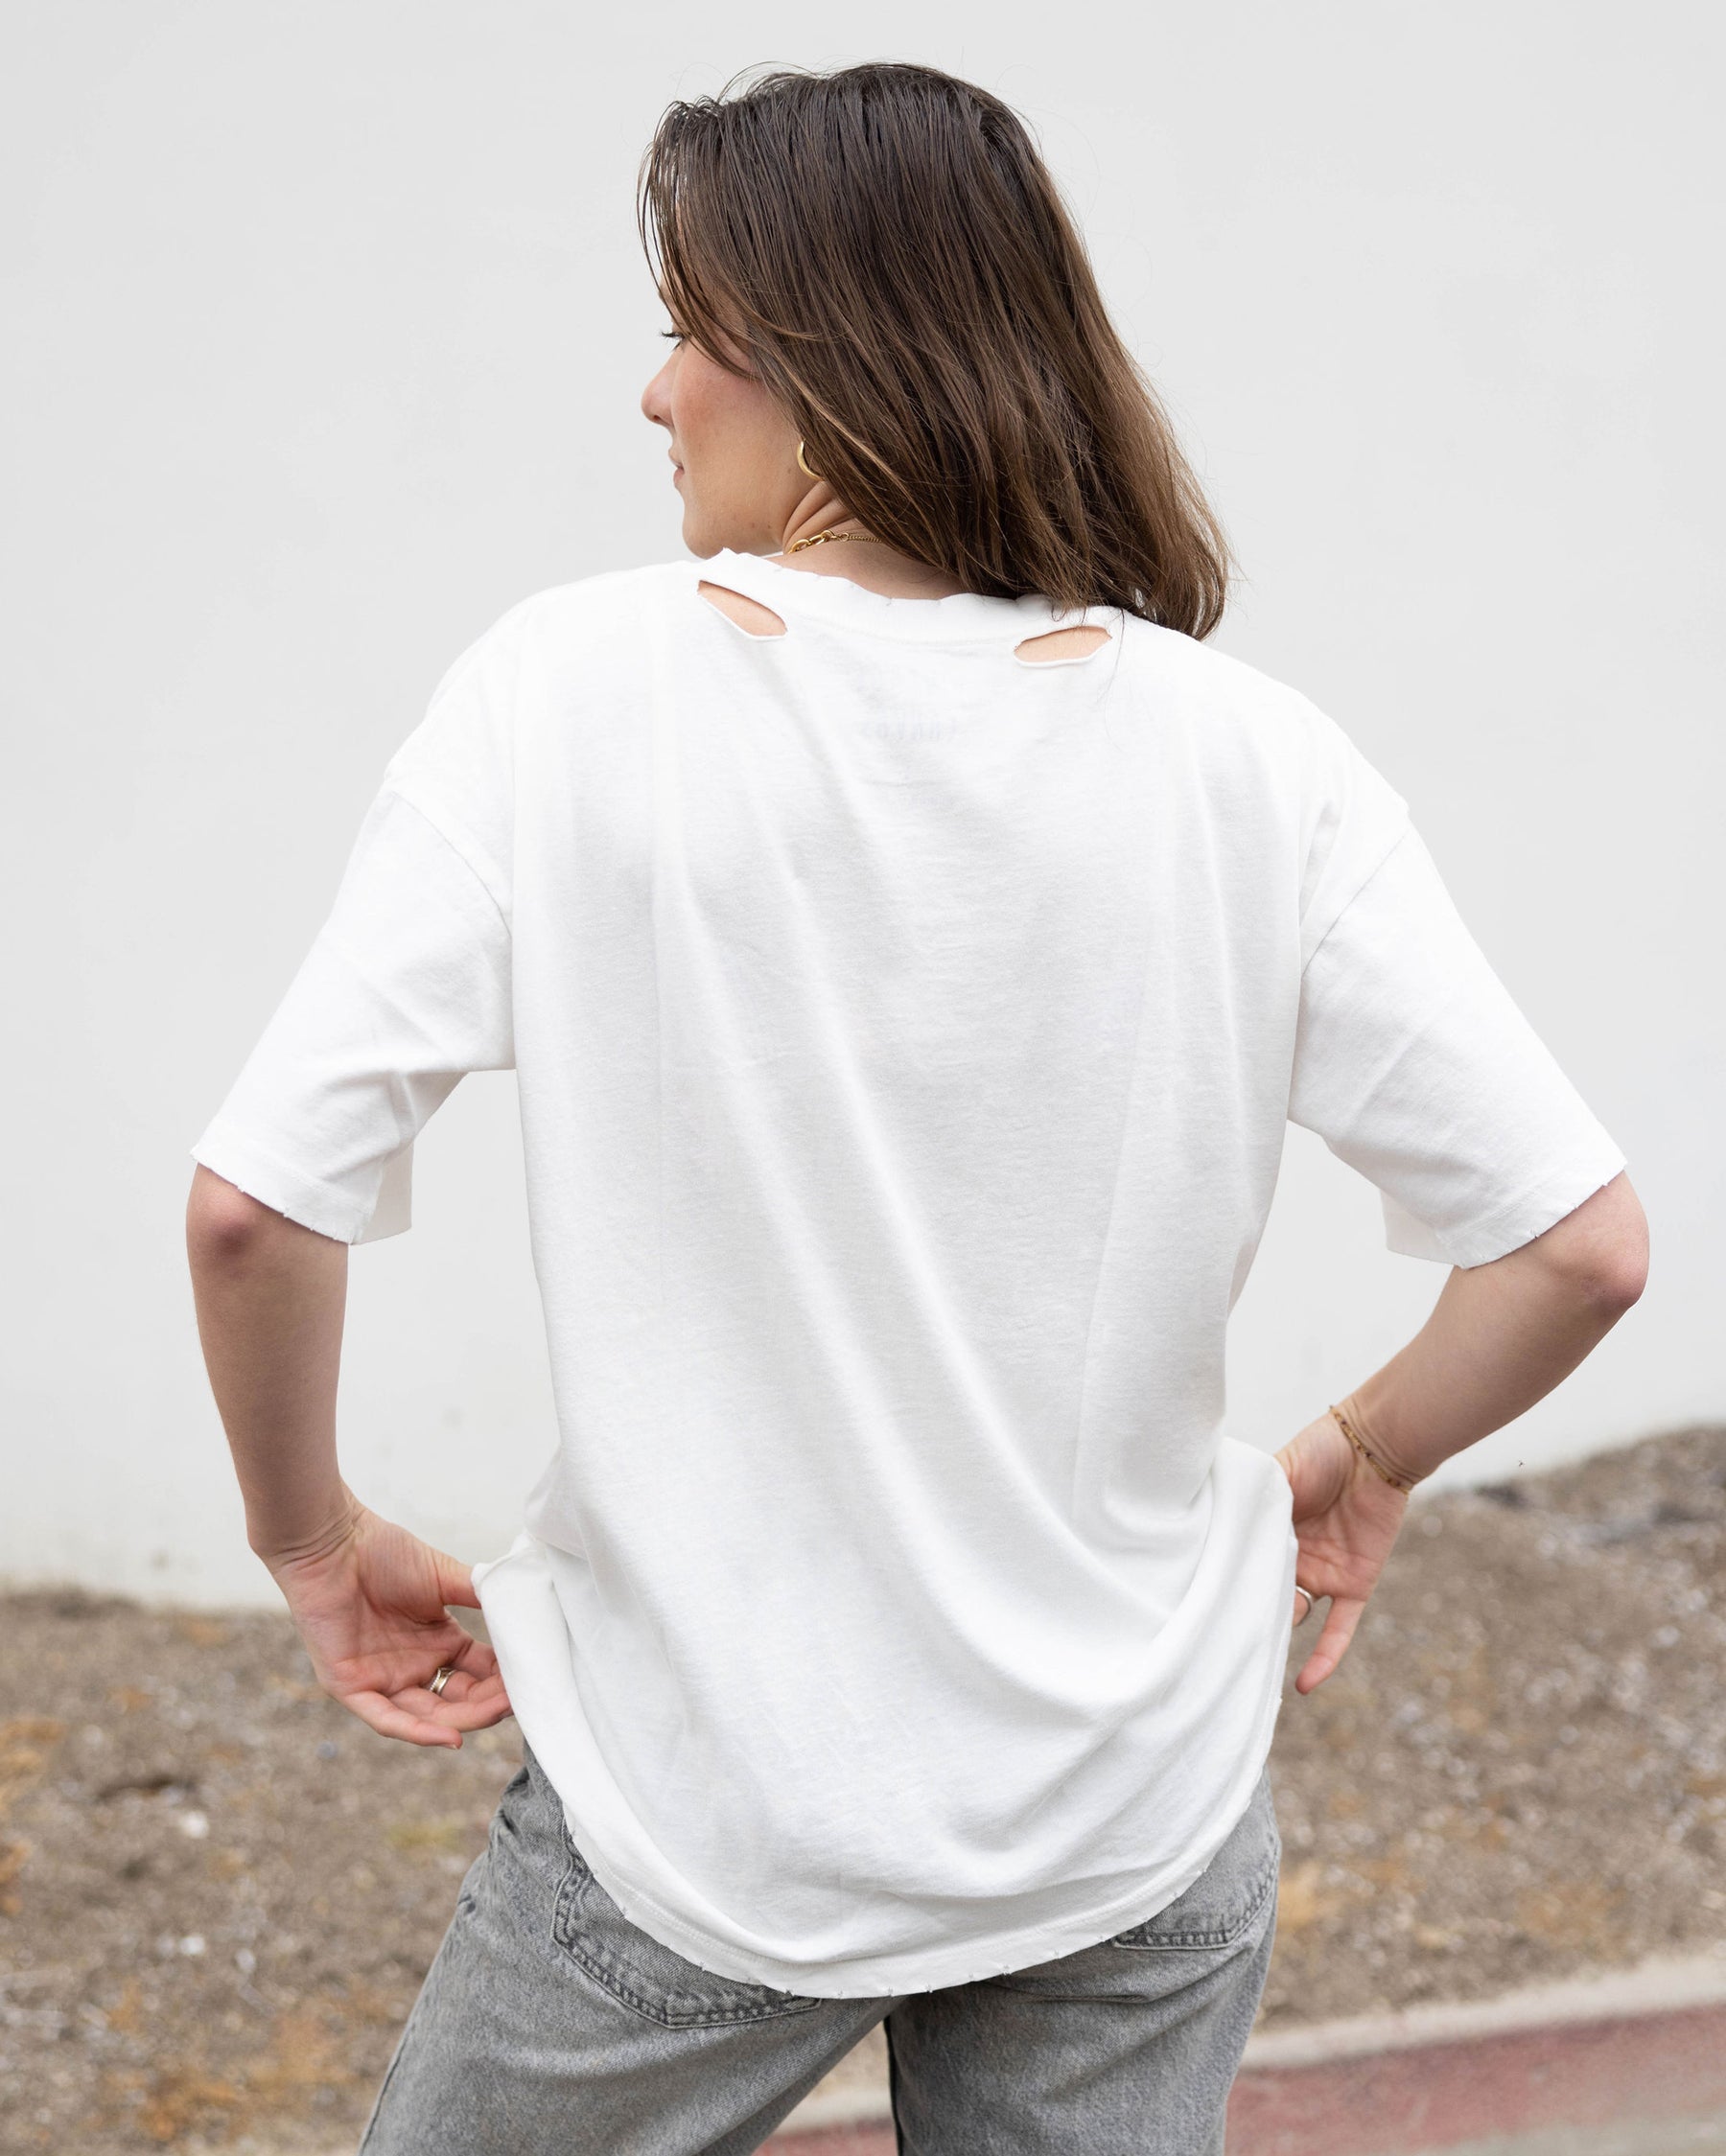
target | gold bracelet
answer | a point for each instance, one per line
(1391, 1475)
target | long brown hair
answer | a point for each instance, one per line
(886, 245)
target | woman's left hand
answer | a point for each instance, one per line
(1346, 1518)
(371, 1606)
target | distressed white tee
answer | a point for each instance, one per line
(905, 1031)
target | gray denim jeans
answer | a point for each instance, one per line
(549, 2023)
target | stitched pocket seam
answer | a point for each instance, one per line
(569, 1935)
(1140, 1938)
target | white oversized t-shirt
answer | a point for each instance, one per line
(905, 1033)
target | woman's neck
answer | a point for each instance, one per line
(871, 563)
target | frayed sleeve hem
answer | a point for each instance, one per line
(1507, 1228)
(325, 1207)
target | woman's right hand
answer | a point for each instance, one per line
(372, 1607)
(1346, 1518)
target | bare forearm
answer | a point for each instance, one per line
(270, 1296)
(1501, 1335)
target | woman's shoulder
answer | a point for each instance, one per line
(1204, 667)
(1223, 699)
(602, 596)
(1256, 748)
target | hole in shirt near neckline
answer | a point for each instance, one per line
(1071, 646)
(758, 622)
(1050, 647)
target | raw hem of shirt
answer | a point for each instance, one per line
(284, 1190)
(1027, 1948)
(1541, 1206)
(933, 1969)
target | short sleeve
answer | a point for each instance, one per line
(406, 989)
(1416, 1066)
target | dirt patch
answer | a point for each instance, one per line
(1518, 1772)
(219, 1892)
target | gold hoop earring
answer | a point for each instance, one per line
(803, 463)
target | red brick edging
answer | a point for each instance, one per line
(874, 2139)
(1640, 2068)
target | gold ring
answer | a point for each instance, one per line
(442, 1677)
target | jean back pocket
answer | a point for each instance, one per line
(643, 1973)
(1230, 1895)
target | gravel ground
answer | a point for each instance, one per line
(218, 1891)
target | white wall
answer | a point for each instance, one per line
(329, 328)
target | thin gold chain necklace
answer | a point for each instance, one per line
(816, 539)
